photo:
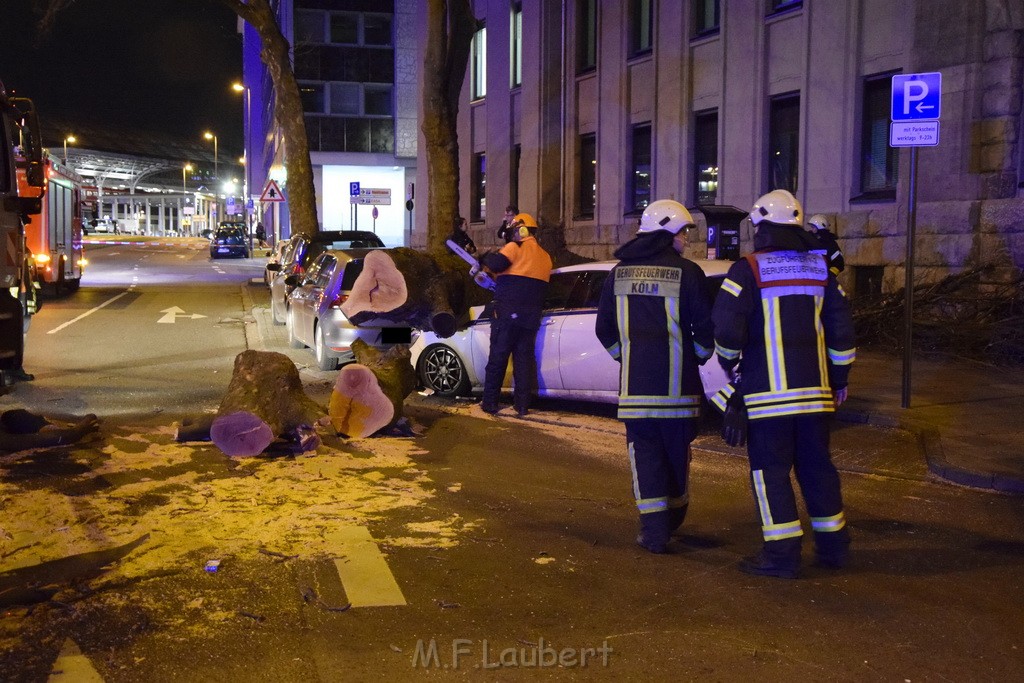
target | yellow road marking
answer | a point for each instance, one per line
(364, 572)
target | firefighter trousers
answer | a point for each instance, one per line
(776, 446)
(659, 456)
(519, 342)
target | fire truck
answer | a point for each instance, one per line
(19, 148)
(54, 235)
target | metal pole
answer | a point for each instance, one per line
(908, 285)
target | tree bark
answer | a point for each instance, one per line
(424, 291)
(450, 29)
(264, 400)
(369, 394)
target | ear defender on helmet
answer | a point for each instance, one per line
(524, 231)
(525, 223)
(779, 207)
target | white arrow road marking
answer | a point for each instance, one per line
(87, 313)
(364, 572)
(173, 313)
(72, 665)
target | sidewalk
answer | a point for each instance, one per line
(968, 415)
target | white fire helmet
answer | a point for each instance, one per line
(818, 221)
(667, 215)
(779, 207)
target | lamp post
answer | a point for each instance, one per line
(69, 138)
(210, 136)
(184, 169)
(239, 88)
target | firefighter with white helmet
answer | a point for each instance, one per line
(820, 227)
(782, 317)
(654, 318)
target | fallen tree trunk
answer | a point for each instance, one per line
(369, 394)
(408, 286)
(264, 400)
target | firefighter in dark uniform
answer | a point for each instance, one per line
(819, 226)
(654, 317)
(523, 270)
(782, 316)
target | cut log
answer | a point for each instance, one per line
(369, 394)
(264, 400)
(403, 285)
(21, 430)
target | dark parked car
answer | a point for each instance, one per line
(229, 240)
(297, 257)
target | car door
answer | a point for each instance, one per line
(304, 298)
(587, 369)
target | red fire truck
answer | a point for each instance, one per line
(19, 147)
(54, 236)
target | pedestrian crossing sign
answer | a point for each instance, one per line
(271, 192)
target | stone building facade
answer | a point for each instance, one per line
(583, 111)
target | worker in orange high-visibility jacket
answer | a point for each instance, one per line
(522, 270)
(783, 318)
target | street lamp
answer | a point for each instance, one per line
(72, 139)
(210, 136)
(240, 88)
(187, 168)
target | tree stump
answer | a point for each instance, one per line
(408, 286)
(264, 400)
(369, 394)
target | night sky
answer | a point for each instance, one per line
(157, 66)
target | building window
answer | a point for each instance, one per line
(517, 156)
(640, 26)
(345, 29)
(516, 31)
(587, 173)
(640, 173)
(705, 157)
(312, 95)
(878, 161)
(377, 101)
(783, 142)
(783, 5)
(586, 35)
(345, 98)
(478, 200)
(705, 17)
(478, 64)
(309, 27)
(376, 29)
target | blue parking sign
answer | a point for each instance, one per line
(916, 97)
(353, 189)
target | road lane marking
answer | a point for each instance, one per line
(72, 665)
(173, 313)
(86, 314)
(364, 572)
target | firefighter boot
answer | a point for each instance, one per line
(654, 532)
(780, 559)
(832, 548)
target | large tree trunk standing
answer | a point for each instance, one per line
(450, 29)
(288, 112)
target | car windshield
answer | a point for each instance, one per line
(230, 236)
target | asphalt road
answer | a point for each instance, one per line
(480, 548)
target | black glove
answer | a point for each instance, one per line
(734, 422)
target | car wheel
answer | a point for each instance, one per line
(293, 341)
(443, 372)
(324, 359)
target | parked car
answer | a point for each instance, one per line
(229, 240)
(275, 256)
(571, 362)
(300, 254)
(314, 316)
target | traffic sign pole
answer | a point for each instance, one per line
(908, 282)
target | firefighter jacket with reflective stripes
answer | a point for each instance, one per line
(523, 270)
(654, 318)
(785, 315)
